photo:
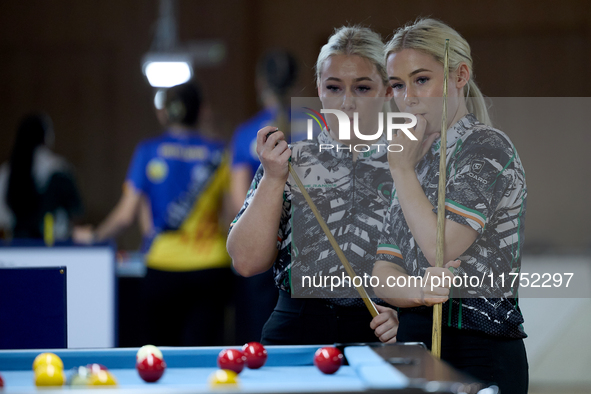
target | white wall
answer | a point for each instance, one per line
(90, 288)
(559, 346)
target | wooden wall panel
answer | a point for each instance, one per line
(80, 61)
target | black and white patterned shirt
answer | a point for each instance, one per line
(352, 197)
(486, 190)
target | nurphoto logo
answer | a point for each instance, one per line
(409, 121)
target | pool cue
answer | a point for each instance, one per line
(360, 289)
(439, 248)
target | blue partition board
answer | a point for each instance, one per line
(33, 308)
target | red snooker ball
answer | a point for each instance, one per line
(328, 359)
(151, 368)
(256, 355)
(1, 381)
(232, 359)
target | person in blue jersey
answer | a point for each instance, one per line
(183, 176)
(275, 75)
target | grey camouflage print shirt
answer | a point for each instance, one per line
(486, 190)
(352, 197)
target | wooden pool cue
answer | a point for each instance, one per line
(439, 248)
(360, 289)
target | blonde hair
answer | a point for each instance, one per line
(354, 40)
(428, 35)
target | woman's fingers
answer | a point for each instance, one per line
(454, 263)
(262, 137)
(389, 336)
(273, 152)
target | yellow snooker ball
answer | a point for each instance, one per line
(49, 375)
(223, 377)
(102, 378)
(48, 359)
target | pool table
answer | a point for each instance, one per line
(289, 369)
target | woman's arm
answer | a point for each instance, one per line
(422, 221)
(252, 242)
(422, 291)
(145, 217)
(241, 179)
(121, 217)
(416, 207)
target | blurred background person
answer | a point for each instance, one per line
(36, 185)
(182, 176)
(276, 73)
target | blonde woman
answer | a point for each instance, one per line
(351, 77)
(485, 211)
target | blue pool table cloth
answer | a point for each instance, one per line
(288, 369)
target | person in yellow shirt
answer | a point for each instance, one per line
(183, 176)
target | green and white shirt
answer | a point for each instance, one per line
(486, 190)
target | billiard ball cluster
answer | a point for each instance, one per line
(254, 355)
(91, 375)
(149, 363)
(231, 362)
(49, 371)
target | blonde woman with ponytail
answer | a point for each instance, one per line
(345, 185)
(485, 212)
